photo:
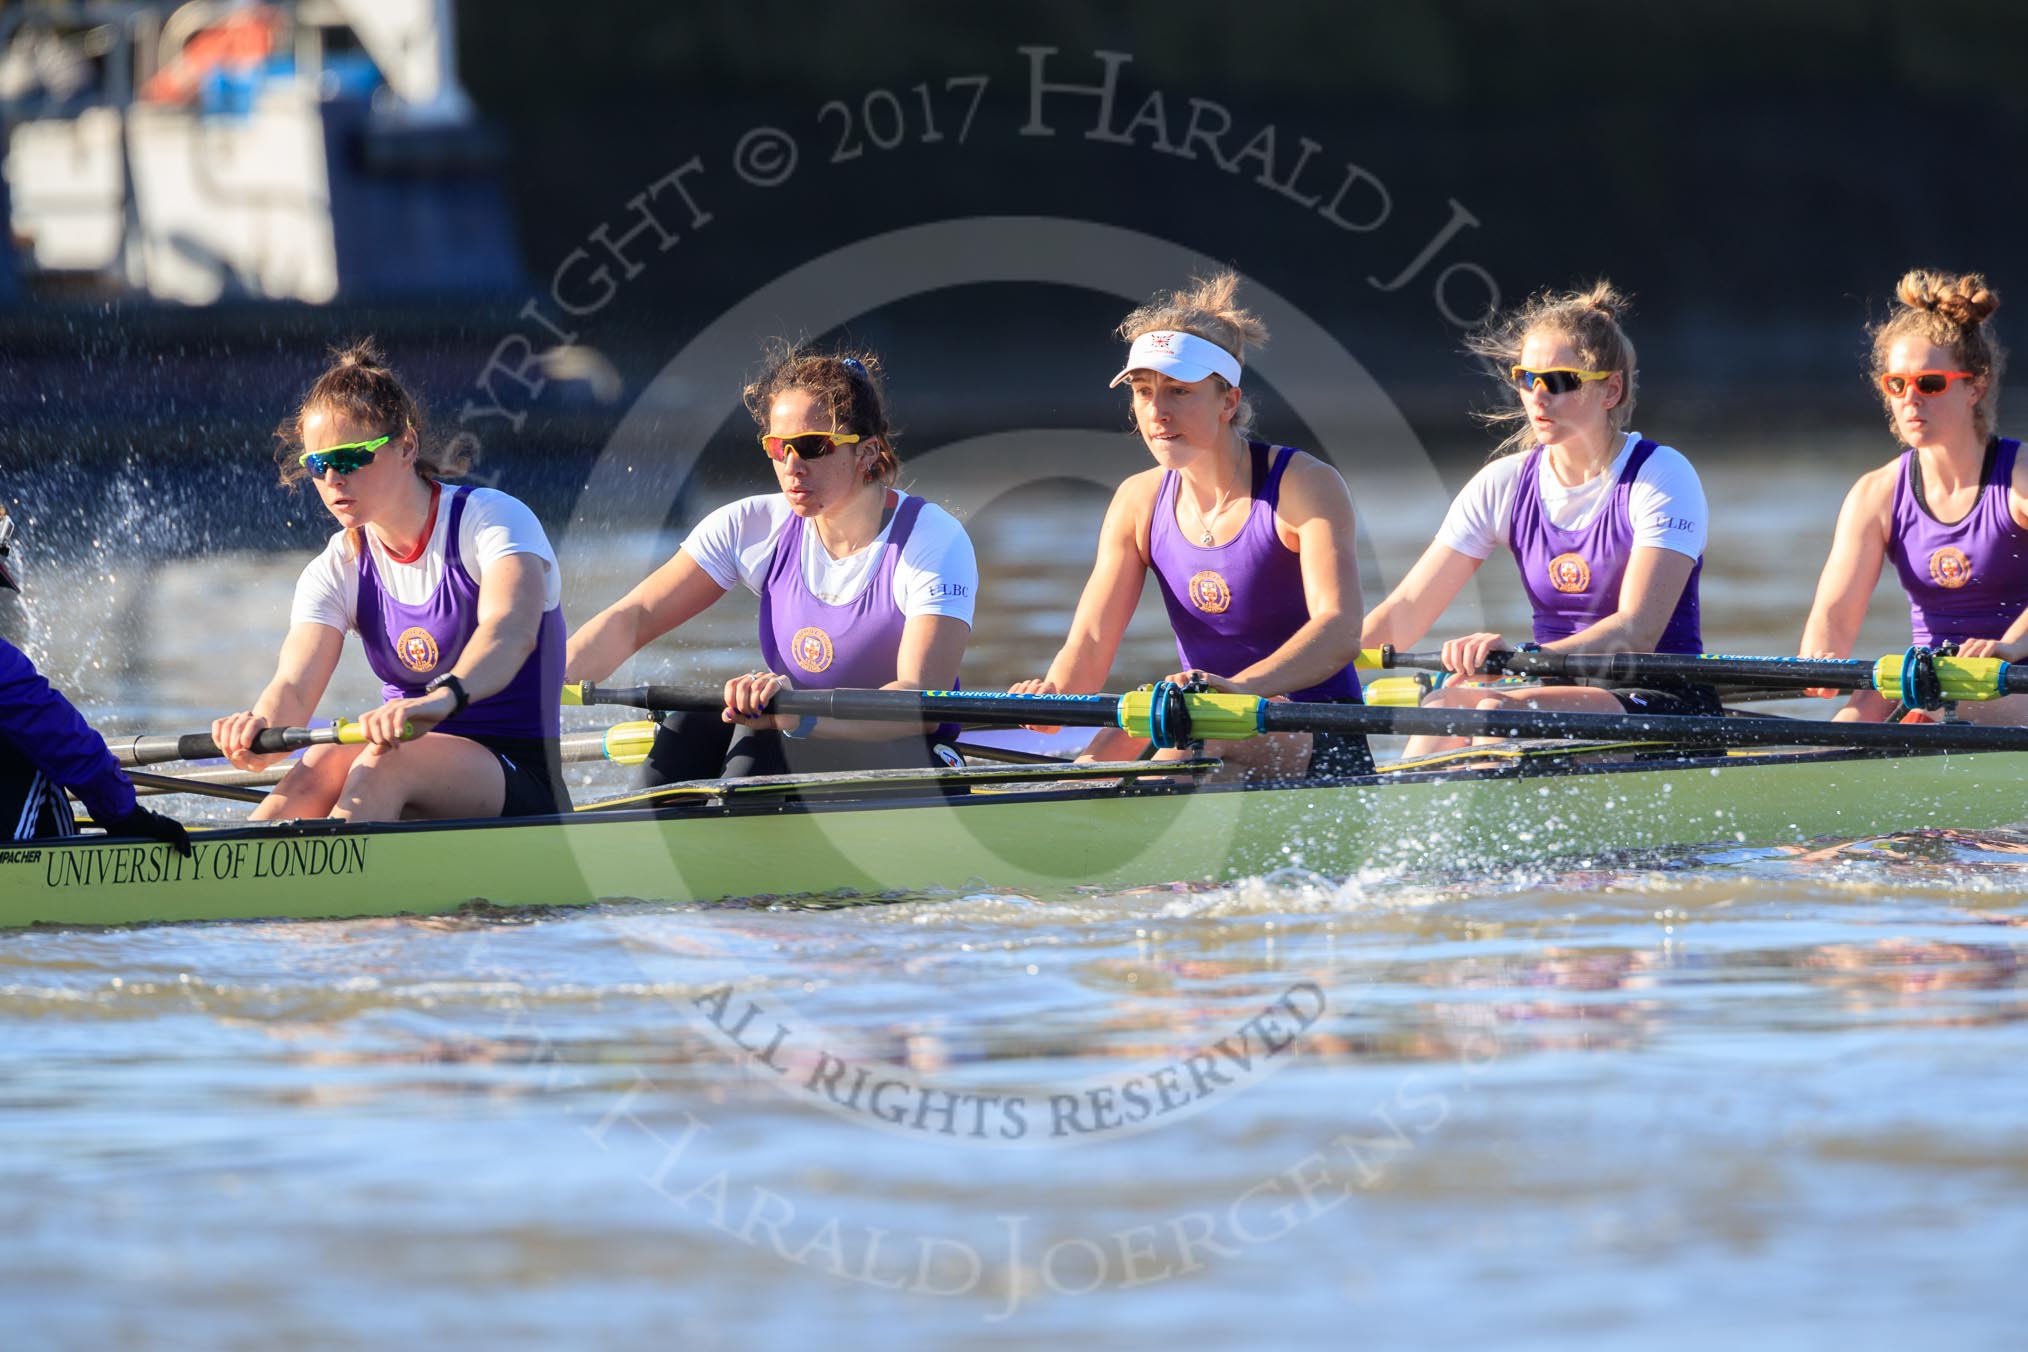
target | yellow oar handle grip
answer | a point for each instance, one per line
(1962, 678)
(1393, 692)
(352, 734)
(628, 743)
(573, 694)
(1371, 657)
(1226, 717)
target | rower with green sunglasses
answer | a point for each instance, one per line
(1607, 528)
(1951, 511)
(455, 595)
(860, 585)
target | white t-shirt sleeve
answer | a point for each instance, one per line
(496, 525)
(327, 592)
(1667, 505)
(937, 573)
(734, 542)
(1481, 514)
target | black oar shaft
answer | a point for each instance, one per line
(1289, 716)
(1631, 668)
(207, 788)
(1801, 673)
(199, 746)
(952, 706)
(1676, 729)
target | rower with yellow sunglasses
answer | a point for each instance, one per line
(1951, 511)
(1608, 529)
(860, 585)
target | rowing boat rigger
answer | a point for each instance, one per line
(1598, 784)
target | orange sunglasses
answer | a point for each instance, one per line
(1896, 383)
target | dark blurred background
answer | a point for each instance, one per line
(1756, 174)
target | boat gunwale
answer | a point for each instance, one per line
(785, 802)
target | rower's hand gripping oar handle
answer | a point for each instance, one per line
(155, 750)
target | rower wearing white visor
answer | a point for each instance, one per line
(1250, 543)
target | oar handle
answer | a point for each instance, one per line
(155, 750)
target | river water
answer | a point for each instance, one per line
(1765, 1096)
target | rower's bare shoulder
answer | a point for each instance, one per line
(1133, 507)
(1875, 488)
(1137, 491)
(1142, 483)
(1869, 506)
(1311, 485)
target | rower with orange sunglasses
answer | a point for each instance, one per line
(1608, 529)
(860, 585)
(1951, 511)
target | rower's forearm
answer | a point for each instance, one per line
(1833, 634)
(1613, 634)
(494, 657)
(286, 704)
(1081, 667)
(1313, 654)
(597, 650)
(1391, 623)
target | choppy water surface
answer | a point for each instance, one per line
(1769, 1095)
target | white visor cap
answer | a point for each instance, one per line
(1180, 356)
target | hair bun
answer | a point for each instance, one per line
(362, 352)
(1964, 300)
(1607, 299)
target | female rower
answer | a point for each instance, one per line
(1951, 511)
(860, 585)
(1607, 528)
(455, 594)
(1250, 543)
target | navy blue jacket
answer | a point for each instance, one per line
(47, 731)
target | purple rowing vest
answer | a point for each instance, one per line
(821, 646)
(407, 645)
(1573, 577)
(1233, 604)
(1968, 579)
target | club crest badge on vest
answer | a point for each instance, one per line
(811, 647)
(1209, 593)
(1948, 567)
(417, 649)
(1569, 573)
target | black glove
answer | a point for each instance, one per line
(153, 826)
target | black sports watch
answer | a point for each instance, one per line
(457, 689)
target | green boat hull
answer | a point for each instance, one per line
(1027, 839)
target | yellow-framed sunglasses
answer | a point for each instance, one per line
(1556, 379)
(808, 445)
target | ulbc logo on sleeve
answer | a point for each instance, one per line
(811, 648)
(1569, 573)
(939, 590)
(417, 649)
